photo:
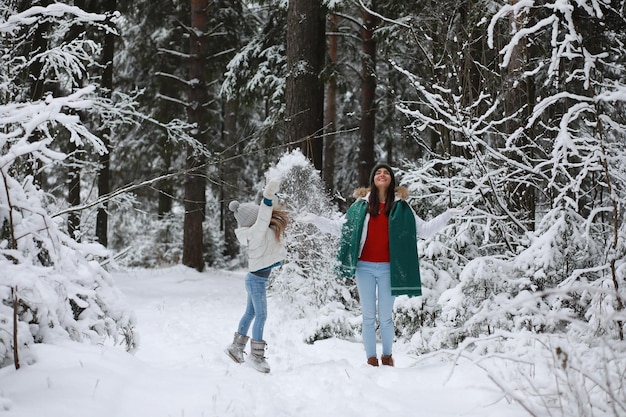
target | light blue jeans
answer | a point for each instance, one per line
(369, 277)
(256, 308)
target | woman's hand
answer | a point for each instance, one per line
(458, 211)
(307, 218)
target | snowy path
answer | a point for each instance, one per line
(185, 320)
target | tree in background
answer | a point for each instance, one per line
(230, 142)
(330, 106)
(149, 66)
(104, 169)
(195, 177)
(368, 95)
(304, 91)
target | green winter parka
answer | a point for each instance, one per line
(404, 261)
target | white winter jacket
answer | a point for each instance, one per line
(263, 248)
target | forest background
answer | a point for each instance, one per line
(127, 127)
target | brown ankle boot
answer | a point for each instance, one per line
(386, 360)
(372, 361)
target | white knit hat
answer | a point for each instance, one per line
(245, 213)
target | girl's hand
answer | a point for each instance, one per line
(271, 188)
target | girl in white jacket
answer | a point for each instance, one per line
(260, 228)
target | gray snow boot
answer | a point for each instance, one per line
(257, 356)
(235, 350)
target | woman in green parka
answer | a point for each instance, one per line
(379, 247)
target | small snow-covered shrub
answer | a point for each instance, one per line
(147, 242)
(551, 374)
(60, 289)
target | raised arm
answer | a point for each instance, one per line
(324, 224)
(427, 229)
(265, 207)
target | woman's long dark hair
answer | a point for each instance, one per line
(373, 202)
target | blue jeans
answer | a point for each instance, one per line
(370, 275)
(256, 308)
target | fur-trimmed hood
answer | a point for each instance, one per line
(402, 193)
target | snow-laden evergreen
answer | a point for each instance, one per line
(547, 284)
(52, 286)
(307, 281)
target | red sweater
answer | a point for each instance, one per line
(376, 248)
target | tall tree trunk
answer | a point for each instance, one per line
(368, 97)
(304, 91)
(330, 111)
(38, 79)
(195, 179)
(16, 343)
(470, 78)
(39, 45)
(104, 172)
(167, 148)
(230, 172)
(522, 195)
(390, 113)
(166, 187)
(73, 175)
(73, 193)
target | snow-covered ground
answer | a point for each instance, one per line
(185, 319)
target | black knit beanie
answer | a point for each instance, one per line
(386, 166)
